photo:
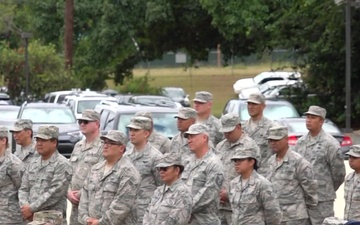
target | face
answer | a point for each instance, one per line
(138, 136)
(314, 123)
(3, 145)
(255, 110)
(354, 163)
(202, 107)
(184, 124)
(197, 141)
(279, 146)
(88, 127)
(112, 149)
(243, 165)
(45, 147)
(21, 137)
(233, 135)
(169, 174)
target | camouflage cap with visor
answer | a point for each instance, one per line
(186, 113)
(197, 128)
(316, 111)
(243, 153)
(256, 98)
(4, 132)
(229, 121)
(170, 159)
(354, 151)
(22, 124)
(140, 123)
(47, 132)
(203, 96)
(277, 133)
(116, 136)
(90, 115)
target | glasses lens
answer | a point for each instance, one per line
(163, 169)
(83, 121)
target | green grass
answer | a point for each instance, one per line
(218, 81)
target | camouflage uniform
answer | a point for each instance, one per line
(145, 161)
(352, 189)
(334, 221)
(45, 183)
(83, 157)
(260, 133)
(28, 153)
(11, 171)
(226, 150)
(110, 196)
(293, 182)
(255, 202)
(323, 152)
(213, 124)
(170, 205)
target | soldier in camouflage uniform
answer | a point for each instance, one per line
(251, 196)
(323, 151)
(257, 127)
(171, 203)
(145, 157)
(352, 185)
(156, 139)
(86, 153)
(11, 171)
(179, 144)
(23, 136)
(204, 175)
(292, 178)
(46, 180)
(235, 138)
(110, 188)
(202, 105)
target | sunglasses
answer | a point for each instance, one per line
(110, 143)
(83, 121)
(238, 160)
(163, 169)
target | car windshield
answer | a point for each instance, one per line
(164, 123)
(300, 127)
(271, 111)
(87, 104)
(49, 115)
(9, 113)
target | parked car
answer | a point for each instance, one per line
(9, 112)
(117, 118)
(263, 78)
(177, 94)
(297, 128)
(123, 99)
(5, 99)
(153, 100)
(275, 109)
(54, 114)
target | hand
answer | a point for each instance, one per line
(72, 196)
(92, 221)
(26, 212)
(223, 196)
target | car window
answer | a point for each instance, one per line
(103, 116)
(9, 113)
(52, 98)
(109, 124)
(272, 112)
(61, 98)
(86, 104)
(49, 115)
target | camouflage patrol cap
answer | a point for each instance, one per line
(170, 159)
(316, 111)
(90, 115)
(203, 96)
(22, 124)
(256, 98)
(116, 136)
(243, 153)
(48, 132)
(140, 123)
(47, 217)
(354, 151)
(229, 122)
(186, 113)
(144, 114)
(3, 132)
(277, 132)
(197, 128)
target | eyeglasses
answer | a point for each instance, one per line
(238, 160)
(163, 169)
(83, 121)
(110, 143)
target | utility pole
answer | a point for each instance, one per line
(69, 30)
(26, 36)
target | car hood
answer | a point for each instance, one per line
(242, 84)
(63, 128)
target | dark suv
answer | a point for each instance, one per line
(118, 117)
(54, 114)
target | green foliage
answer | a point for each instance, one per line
(139, 85)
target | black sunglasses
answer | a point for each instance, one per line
(163, 169)
(83, 121)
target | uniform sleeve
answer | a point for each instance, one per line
(165, 147)
(17, 172)
(272, 211)
(121, 205)
(308, 183)
(58, 188)
(181, 213)
(155, 172)
(24, 189)
(211, 189)
(336, 164)
(84, 202)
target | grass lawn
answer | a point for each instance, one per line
(218, 81)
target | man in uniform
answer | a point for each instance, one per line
(23, 136)
(257, 127)
(204, 176)
(110, 189)
(46, 180)
(145, 157)
(157, 140)
(292, 178)
(234, 139)
(203, 105)
(179, 144)
(323, 151)
(86, 153)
